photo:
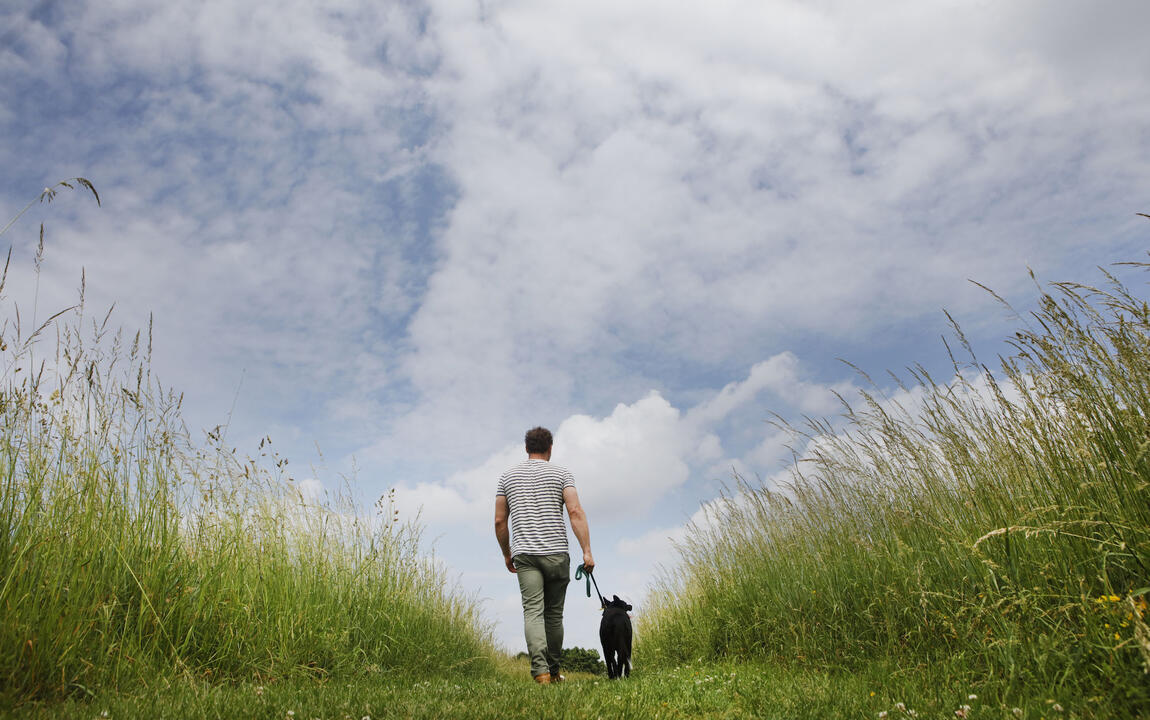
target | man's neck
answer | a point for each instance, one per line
(539, 456)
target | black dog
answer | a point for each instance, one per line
(615, 634)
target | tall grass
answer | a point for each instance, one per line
(130, 552)
(996, 522)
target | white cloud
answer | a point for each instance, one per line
(311, 490)
(700, 183)
(781, 375)
(645, 196)
(648, 553)
(626, 462)
(623, 464)
(466, 498)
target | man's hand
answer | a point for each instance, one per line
(509, 563)
(588, 562)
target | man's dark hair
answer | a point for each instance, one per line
(538, 440)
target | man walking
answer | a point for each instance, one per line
(532, 495)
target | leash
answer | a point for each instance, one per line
(580, 572)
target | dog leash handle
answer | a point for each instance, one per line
(580, 573)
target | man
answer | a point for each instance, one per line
(532, 495)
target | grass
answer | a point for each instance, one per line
(723, 690)
(730, 689)
(132, 553)
(997, 524)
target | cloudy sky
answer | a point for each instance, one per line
(404, 232)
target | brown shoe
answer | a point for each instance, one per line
(557, 678)
(544, 679)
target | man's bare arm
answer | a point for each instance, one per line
(501, 532)
(579, 525)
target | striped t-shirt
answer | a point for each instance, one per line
(534, 492)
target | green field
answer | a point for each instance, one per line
(973, 546)
(712, 690)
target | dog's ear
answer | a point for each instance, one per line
(628, 608)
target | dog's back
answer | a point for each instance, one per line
(615, 634)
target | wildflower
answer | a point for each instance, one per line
(1017, 712)
(872, 693)
(960, 713)
(291, 713)
(972, 696)
(259, 689)
(900, 707)
(1056, 707)
(882, 715)
(366, 717)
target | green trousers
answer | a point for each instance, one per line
(543, 583)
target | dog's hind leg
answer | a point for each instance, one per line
(608, 653)
(609, 659)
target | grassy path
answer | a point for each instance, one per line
(708, 691)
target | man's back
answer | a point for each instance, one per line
(534, 491)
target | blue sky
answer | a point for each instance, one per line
(405, 232)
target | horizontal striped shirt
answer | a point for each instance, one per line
(534, 492)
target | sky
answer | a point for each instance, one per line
(393, 236)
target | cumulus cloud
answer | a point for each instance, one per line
(311, 490)
(267, 194)
(704, 182)
(423, 215)
(628, 461)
